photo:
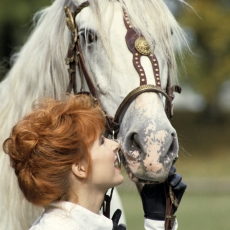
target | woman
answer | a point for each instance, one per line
(65, 164)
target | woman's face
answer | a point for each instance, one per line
(105, 168)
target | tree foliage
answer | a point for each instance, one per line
(15, 22)
(19, 11)
(210, 30)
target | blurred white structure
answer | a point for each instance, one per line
(224, 96)
(189, 100)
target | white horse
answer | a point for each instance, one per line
(149, 142)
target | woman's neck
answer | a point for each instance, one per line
(88, 197)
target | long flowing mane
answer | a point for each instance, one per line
(39, 70)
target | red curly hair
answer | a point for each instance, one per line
(43, 145)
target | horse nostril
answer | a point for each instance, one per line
(135, 141)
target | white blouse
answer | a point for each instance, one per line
(69, 216)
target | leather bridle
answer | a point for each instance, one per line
(138, 47)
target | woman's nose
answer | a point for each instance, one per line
(116, 145)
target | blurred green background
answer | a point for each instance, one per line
(202, 111)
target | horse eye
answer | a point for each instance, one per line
(89, 36)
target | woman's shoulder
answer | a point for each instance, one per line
(56, 222)
(55, 217)
(65, 215)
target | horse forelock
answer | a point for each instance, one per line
(153, 20)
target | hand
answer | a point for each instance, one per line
(115, 219)
(154, 199)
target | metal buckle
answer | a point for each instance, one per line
(171, 220)
(71, 23)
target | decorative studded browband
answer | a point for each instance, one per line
(139, 47)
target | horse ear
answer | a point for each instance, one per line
(79, 169)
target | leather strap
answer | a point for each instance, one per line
(170, 201)
(113, 124)
(133, 94)
(74, 55)
(170, 92)
(133, 40)
(106, 204)
(81, 66)
(81, 7)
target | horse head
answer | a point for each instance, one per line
(108, 32)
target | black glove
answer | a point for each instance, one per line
(115, 219)
(154, 199)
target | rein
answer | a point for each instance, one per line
(139, 47)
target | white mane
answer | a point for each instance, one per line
(39, 66)
(38, 71)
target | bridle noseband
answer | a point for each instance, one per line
(138, 47)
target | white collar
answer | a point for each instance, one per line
(81, 215)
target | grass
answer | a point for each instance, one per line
(196, 211)
(204, 163)
(204, 211)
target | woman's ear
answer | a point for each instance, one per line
(80, 169)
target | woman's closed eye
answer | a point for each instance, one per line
(102, 140)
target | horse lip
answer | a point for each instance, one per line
(148, 181)
(167, 160)
(136, 179)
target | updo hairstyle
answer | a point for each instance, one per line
(43, 145)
